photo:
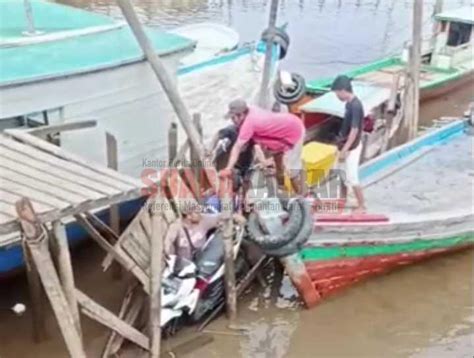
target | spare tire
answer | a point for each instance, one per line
(302, 237)
(279, 37)
(290, 95)
(268, 241)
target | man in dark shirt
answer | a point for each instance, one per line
(349, 138)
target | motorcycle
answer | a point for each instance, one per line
(190, 290)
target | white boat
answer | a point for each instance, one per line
(212, 40)
(80, 65)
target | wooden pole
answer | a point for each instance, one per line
(156, 253)
(112, 163)
(415, 64)
(228, 230)
(263, 96)
(195, 162)
(172, 143)
(36, 296)
(63, 259)
(163, 76)
(35, 237)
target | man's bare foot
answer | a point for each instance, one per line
(359, 210)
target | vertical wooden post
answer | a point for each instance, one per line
(172, 142)
(112, 163)
(195, 162)
(415, 64)
(35, 237)
(63, 259)
(36, 296)
(162, 74)
(263, 96)
(227, 206)
(156, 252)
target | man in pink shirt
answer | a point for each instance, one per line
(279, 134)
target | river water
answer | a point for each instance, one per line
(425, 310)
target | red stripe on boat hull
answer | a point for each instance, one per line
(331, 276)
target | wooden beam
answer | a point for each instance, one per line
(112, 163)
(61, 127)
(156, 259)
(35, 237)
(227, 206)
(122, 259)
(415, 64)
(129, 311)
(36, 296)
(162, 75)
(263, 96)
(64, 266)
(102, 315)
(172, 143)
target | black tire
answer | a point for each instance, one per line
(281, 38)
(270, 242)
(286, 96)
(302, 237)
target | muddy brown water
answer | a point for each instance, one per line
(425, 310)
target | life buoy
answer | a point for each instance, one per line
(279, 37)
(290, 95)
(267, 241)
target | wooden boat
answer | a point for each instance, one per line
(322, 118)
(80, 65)
(420, 207)
(212, 40)
(446, 60)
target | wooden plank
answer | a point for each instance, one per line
(35, 237)
(62, 164)
(64, 265)
(61, 153)
(129, 311)
(227, 236)
(61, 127)
(112, 163)
(37, 185)
(267, 66)
(7, 209)
(36, 296)
(84, 181)
(137, 247)
(102, 315)
(12, 198)
(12, 187)
(122, 259)
(47, 178)
(156, 259)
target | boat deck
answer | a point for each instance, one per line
(440, 181)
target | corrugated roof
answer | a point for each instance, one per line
(463, 14)
(57, 182)
(370, 95)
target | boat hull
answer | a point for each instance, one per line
(332, 269)
(435, 90)
(11, 256)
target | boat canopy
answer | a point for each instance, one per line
(69, 41)
(464, 15)
(370, 95)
